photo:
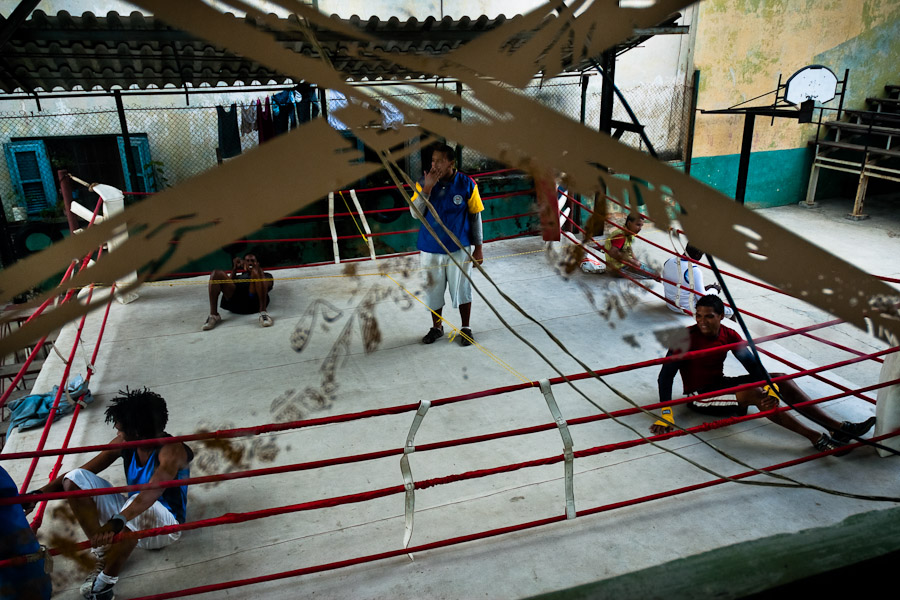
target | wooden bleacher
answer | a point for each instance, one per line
(867, 144)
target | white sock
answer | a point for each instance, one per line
(102, 580)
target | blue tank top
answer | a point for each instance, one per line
(175, 498)
(451, 201)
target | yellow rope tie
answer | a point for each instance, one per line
(352, 217)
(456, 331)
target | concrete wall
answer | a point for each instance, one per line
(742, 46)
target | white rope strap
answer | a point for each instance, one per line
(567, 446)
(58, 353)
(408, 481)
(334, 240)
(84, 354)
(365, 224)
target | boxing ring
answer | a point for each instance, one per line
(558, 427)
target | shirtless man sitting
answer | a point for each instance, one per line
(244, 291)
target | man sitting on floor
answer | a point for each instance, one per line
(244, 291)
(687, 276)
(136, 415)
(620, 259)
(704, 374)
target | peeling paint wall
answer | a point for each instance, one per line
(742, 46)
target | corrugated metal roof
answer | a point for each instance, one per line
(88, 52)
(65, 52)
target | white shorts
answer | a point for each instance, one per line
(111, 504)
(441, 273)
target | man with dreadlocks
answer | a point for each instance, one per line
(136, 415)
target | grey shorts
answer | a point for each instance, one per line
(441, 273)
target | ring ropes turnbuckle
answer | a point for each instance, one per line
(408, 483)
(566, 436)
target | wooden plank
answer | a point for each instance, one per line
(861, 128)
(886, 102)
(858, 148)
(10, 371)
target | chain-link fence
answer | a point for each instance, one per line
(171, 142)
(661, 108)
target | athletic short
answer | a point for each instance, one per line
(242, 301)
(441, 273)
(725, 405)
(111, 504)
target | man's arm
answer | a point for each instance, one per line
(423, 190)
(172, 457)
(664, 383)
(753, 366)
(476, 236)
(476, 230)
(96, 465)
(616, 249)
(666, 378)
(237, 265)
(419, 202)
(698, 280)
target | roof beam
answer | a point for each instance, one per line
(18, 16)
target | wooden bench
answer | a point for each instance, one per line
(10, 371)
(860, 128)
(860, 148)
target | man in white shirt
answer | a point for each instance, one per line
(681, 278)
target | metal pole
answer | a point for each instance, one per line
(7, 255)
(692, 123)
(65, 188)
(576, 210)
(744, 164)
(129, 156)
(323, 101)
(606, 94)
(457, 114)
(843, 91)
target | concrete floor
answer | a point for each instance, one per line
(242, 375)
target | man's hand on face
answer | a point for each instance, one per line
(237, 264)
(432, 176)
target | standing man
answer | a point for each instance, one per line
(456, 203)
(686, 276)
(705, 373)
(244, 291)
(136, 415)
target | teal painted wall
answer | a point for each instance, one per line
(775, 178)
(872, 57)
(280, 254)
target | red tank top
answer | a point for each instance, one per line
(704, 370)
